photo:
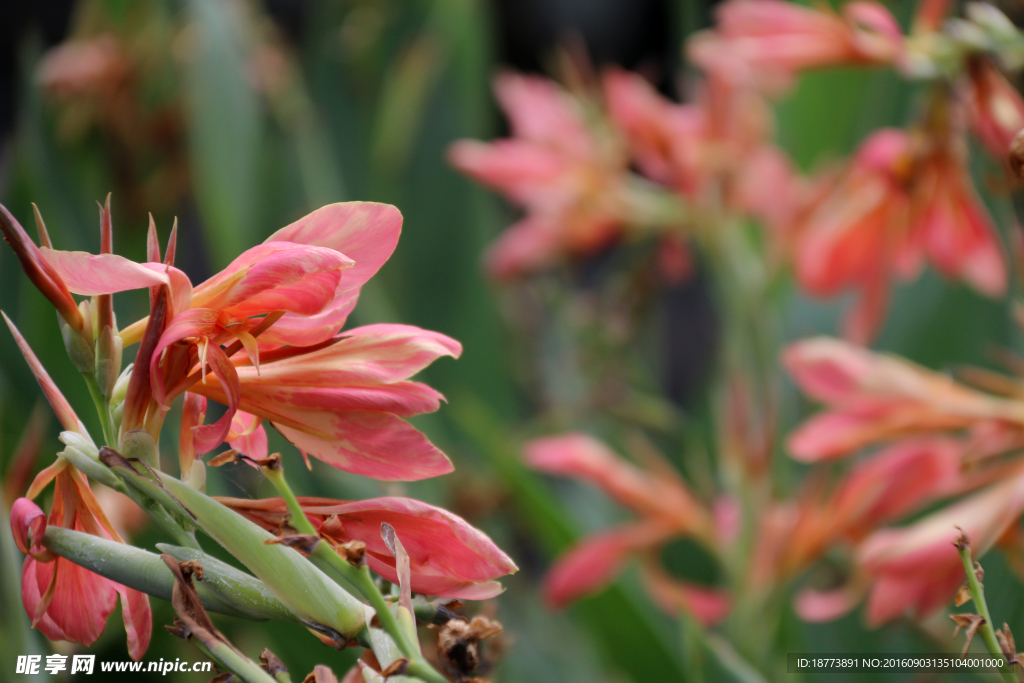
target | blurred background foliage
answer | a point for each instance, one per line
(237, 117)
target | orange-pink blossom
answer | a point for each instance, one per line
(448, 557)
(666, 510)
(564, 172)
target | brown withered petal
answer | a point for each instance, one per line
(189, 608)
(979, 572)
(962, 540)
(354, 552)
(304, 543)
(320, 674)
(273, 462)
(192, 568)
(178, 628)
(458, 643)
(140, 393)
(963, 596)
(1017, 155)
(1007, 644)
(395, 668)
(969, 622)
(226, 458)
(226, 677)
(271, 664)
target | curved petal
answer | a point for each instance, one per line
(364, 356)
(581, 456)
(195, 323)
(275, 276)
(595, 562)
(27, 518)
(448, 556)
(248, 436)
(208, 437)
(93, 274)
(365, 232)
(81, 600)
(540, 111)
(193, 412)
(138, 620)
(374, 444)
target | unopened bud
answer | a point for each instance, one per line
(1017, 155)
(78, 347)
(108, 360)
(140, 444)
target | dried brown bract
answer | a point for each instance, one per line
(458, 643)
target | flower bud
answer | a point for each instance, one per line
(140, 444)
(79, 349)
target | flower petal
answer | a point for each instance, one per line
(26, 518)
(93, 274)
(138, 620)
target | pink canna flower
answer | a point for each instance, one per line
(898, 203)
(995, 108)
(448, 556)
(666, 508)
(873, 397)
(765, 43)
(340, 399)
(566, 175)
(65, 601)
(917, 568)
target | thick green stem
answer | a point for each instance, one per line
(985, 631)
(358, 577)
(102, 409)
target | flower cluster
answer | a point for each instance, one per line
(937, 458)
(263, 338)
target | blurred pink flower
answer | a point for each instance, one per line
(994, 106)
(666, 508)
(898, 203)
(764, 44)
(873, 397)
(917, 568)
(448, 557)
(566, 174)
(65, 601)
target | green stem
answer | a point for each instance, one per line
(988, 636)
(234, 661)
(357, 577)
(102, 409)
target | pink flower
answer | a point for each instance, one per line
(566, 176)
(343, 402)
(338, 398)
(995, 108)
(766, 43)
(897, 203)
(448, 556)
(65, 601)
(666, 508)
(872, 397)
(917, 568)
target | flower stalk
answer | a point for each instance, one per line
(358, 577)
(977, 592)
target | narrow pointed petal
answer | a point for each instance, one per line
(138, 620)
(208, 437)
(374, 444)
(581, 456)
(61, 408)
(367, 355)
(540, 111)
(94, 274)
(596, 561)
(192, 413)
(39, 271)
